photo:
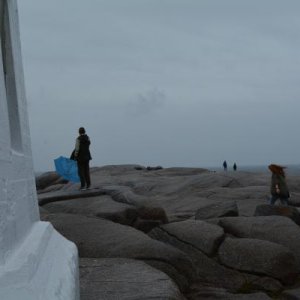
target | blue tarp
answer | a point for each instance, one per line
(67, 168)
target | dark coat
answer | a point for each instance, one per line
(281, 182)
(84, 148)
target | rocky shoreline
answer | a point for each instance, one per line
(177, 233)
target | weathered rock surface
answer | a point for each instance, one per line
(291, 294)
(276, 229)
(61, 195)
(47, 179)
(246, 197)
(183, 248)
(273, 210)
(208, 269)
(180, 191)
(217, 210)
(98, 206)
(222, 294)
(98, 238)
(103, 206)
(295, 199)
(124, 194)
(259, 257)
(149, 218)
(198, 234)
(120, 278)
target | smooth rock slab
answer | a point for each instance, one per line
(143, 218)
(247, 197)
(259, 257)
(295, 197)
(124, 194)
(222, 294)
(149, 218)
(217, 209)
(209, 271)
(46, 179)
(98, 238)
(199, 234)
(119, 278)
(98, 206)
(273, 210)
(292, 294)
(276, 229)
(62, 195)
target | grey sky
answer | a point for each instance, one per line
(163, 82)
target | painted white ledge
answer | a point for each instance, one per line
(44, 267)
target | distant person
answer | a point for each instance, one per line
(83, 156)
(225, 165)
(279, 188)
(234, 167)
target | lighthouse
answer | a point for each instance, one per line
(36, 262)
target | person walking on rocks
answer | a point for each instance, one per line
(83, 156)
(225, 165)
(279, 188)
(234, 167)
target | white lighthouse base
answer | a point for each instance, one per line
(43, 267)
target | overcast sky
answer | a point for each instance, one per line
(163, 82)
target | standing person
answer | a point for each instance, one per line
(83, 157)
(279, 188)
(234, 167)
(225, 165)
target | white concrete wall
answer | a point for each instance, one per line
(18, 196)
(31, 252)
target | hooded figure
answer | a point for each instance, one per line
(83, 156)
(279, 188)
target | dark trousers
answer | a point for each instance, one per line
(283, 200)
(84, 173)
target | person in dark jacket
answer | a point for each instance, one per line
(225, 165)
(279, 188)
(83, 156)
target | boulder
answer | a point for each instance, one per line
(294, 200)
(152, 213)
(61, 195)
(247, 207)
(98, 238)
(120, 278)
(217, 209)
(179, 192)
(139, 168)
(276, 210)
(154, 168)
(291, 294)
(104, 206)
(199, 234)
(276, 229)
(209, 271)
(125, 194)
(46, 179)
(98, 206)
(182, 171)
(145, 225)
(149, 218)
(246, 197)
(209, 293)
(259, 257)
(53, 188)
